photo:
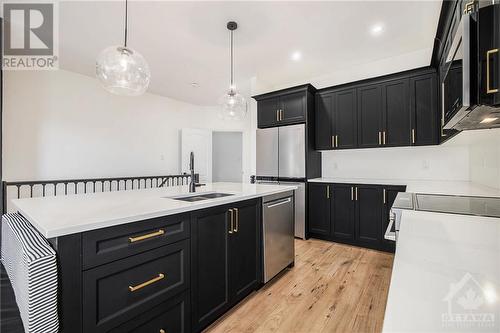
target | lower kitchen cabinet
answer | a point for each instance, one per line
(245, 251)
(170, 316)
(390, 193)
(226, 259)
(319, 209)
(369, 214)
(351, 213)
(342, 212)
(115, 292)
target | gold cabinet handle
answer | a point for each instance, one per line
(469, 7)
(162, 330)
(413, 135)
(237, 222)
(277, 115)
(384, 197)
(352, 193)
(281, 114)
(383, 138)
(379, 138)
(489, 90)
(328, 191)
(356, 190)
(160, 276)
(336, 141)
(231, 221)
(333, 141)
(143, 237)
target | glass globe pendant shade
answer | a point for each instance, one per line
(123, 71)
(233, 106)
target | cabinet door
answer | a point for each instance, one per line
(369, 116)
(369, 211)
(267, 112)
(324, 119)
(390, 194)
(293, 108)
(489, 55)
(319, 209)
(345, 119)
(396, 113)
(342, 212)
(210, 265)
(424, 110)
(245, 250)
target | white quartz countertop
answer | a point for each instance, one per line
(446, 268)
(422, 186)
(63, 215)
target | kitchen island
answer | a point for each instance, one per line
(157, 259)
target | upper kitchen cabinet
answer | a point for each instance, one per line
(268, 111)
(336, 119)
(345, 119)
(324, 121)
(396, 121)
(285, 107)
(489, 55)
(424, 109)
(395, 110)
(370, 116)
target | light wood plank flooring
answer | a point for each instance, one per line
(332, 288)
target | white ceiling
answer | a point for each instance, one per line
(187, 42)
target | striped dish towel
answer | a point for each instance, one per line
(30, 263)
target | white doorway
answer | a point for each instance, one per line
(227, 155)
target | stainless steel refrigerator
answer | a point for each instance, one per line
(281, 158)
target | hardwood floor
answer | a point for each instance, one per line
(332, 288)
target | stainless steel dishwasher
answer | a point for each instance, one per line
(278, 232)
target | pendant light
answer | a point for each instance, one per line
(233, 106)
(122, 70)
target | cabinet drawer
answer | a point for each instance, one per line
(115, 292)
(171, 316)
(109, 244)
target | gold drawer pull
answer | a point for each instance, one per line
(160, 276)
(162, 330)
(143, 237)
(489, 90)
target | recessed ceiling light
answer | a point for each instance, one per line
(195, 84)
(488, 120)
(296, 56)
(377, 29)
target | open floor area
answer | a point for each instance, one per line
(332, 288)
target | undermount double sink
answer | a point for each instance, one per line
(200, 196)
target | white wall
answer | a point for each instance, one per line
(484, 155)
(59, 124)
(415, 163)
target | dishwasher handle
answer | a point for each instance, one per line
(279, 203)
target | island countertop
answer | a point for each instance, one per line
(64, 215)
(442, 261)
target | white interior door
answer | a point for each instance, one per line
(198, 141)
(227, 159)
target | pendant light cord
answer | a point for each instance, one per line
(232, 65)
(126, 22)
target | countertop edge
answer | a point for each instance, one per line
(54, 233)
